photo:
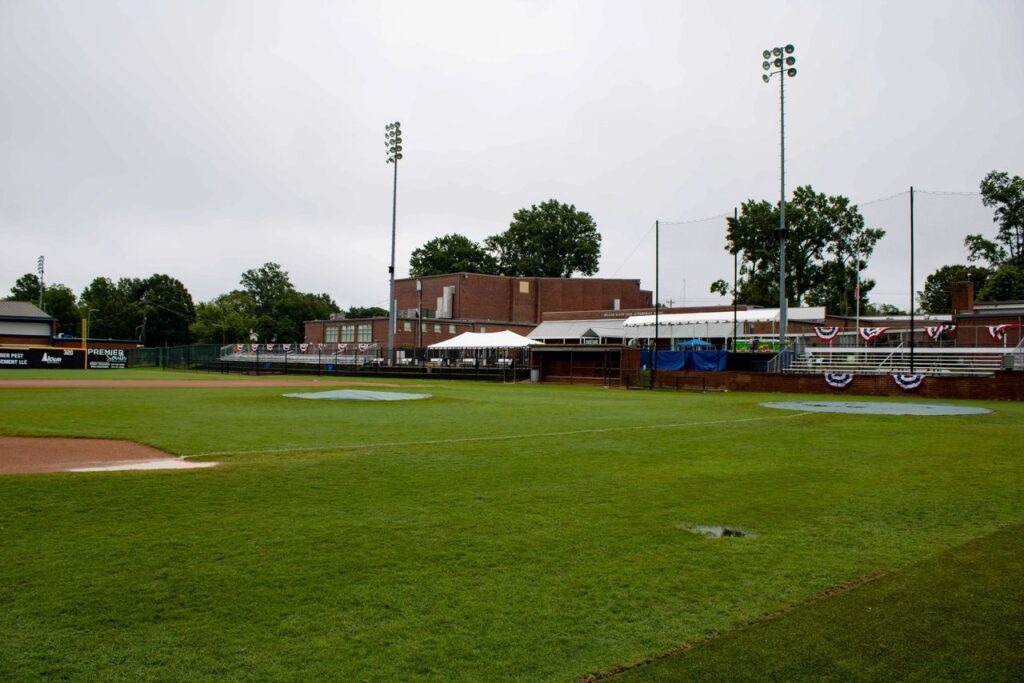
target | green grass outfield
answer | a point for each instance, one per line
(493, 532)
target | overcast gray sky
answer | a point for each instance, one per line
(203, 138)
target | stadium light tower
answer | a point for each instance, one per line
(393, 142)
(781, 59)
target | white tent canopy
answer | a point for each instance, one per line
(712, 324)
(756, 315)
(506, 339)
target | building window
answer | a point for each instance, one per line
(331, 335)
(365, 332)
(423, 327)
(524, 286)
(437, 327)
(407, 326)
(348, 333)
(451, 329)
(482, 329)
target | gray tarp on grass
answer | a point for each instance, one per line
(876, 408)
(359, 395)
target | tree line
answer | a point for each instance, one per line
(159, 309)
(828, 248)
(995, 266)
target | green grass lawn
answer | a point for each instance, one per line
(493, 532)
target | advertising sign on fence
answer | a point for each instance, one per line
(68, 359)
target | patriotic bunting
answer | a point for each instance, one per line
(908, 382)
(363, 348)
(270, 347)
(838, 380)
(303, 347)
(934, 332)
(255, 348)
(342, 348)
(286, 347)
(319, 346)
(870, 334)
(826, 333)
(998, 332)
(238, 348)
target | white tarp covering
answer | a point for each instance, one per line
(506, 339)
(757, 315)
(711, 324)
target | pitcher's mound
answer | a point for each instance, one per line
(25, 455)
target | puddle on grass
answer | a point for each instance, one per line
(718, 531)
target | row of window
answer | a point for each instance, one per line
(364, 332)
(349, 333)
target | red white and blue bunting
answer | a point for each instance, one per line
(908, 382)
(826, 333)
(998, 332)
(303, 347)
(870, 334)
(255, 348)
(342, 348)
(838, 380)
(363, 348)
(270, 347)
(238, 348)
(936, 331)
(286, 347)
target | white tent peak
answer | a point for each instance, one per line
(506, 339)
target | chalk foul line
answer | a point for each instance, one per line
(503, 437)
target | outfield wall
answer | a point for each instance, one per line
(1002, 386)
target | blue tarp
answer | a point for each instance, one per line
(707, 361)
(694, 344)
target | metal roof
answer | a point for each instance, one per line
(22, 309)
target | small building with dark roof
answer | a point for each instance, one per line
(22, 323)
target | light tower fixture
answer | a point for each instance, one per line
(781, 59)
(39, 269)
(393, 142)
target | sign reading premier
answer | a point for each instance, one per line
(69, 359)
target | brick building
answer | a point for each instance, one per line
(448, 305)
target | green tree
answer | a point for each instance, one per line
(937, 295)
(1005, 284)
(26, 288)
(451, 254)
(157, 309)
(1006, 195)
(61, 303)
(114, 314)
(827, 242)
(280, 310)
(168, 310)
(265, 285)
(366, 312)
(226, 319)
(549, 240)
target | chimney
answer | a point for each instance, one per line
(963, 297)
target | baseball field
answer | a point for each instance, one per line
(505, 532)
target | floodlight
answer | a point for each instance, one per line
(767, 54)
(777, 62)
(765, 77)
(766, 65)
(791, 60)
(791, 72)
(789, 49)
(776, 51)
